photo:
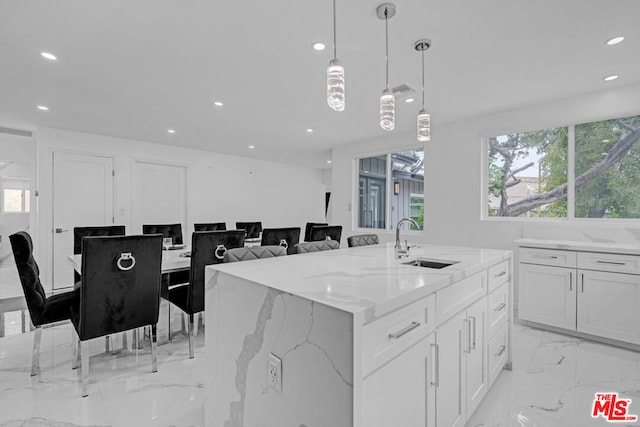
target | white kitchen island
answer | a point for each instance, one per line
(363, 338)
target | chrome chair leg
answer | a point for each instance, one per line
(190, 332)
(35, 357)
(154, 348)
(196, 317)
(75, 349)
(169, 316)
(84, 352)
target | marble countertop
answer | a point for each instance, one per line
(574, 245)
(364, 280)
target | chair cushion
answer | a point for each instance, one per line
(58, 307)
(255, 252)
(179, 295)
(323, 245)
(362, 240)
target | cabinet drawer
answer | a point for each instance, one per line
(498, 309)
(390, 335)
(498, 274)
(616, 263)
(458, 296)
(548, 257)
(498, 352)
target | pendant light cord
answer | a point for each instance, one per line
(423, 79)
(334, 29)
(386, 25)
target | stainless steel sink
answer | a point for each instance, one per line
(431, 263)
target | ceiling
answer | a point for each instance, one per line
(135, 69)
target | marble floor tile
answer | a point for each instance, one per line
(552, 384)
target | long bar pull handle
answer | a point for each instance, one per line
(473, 341)
(467, 323)
(582, 282)
(570, 281)
(500, 307)
(60, 230)
(404, 331)
(611, 262)
(502, 273)
(436, 358)
(502, 349)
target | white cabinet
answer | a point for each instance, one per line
(402, 393)
(547, 295)
(609, 305)
(461, 365)
(594, 293)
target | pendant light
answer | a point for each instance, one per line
(424, 118)
(387, 11)
(335, 75)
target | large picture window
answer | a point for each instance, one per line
(528, 174)
(391, 187)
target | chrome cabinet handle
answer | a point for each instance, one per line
(611, 262)
(404, 331)
(502, 273)
(582, 282)
(60, 230)
(502, 349)
(500, 307)
(473, 345)
(467, 324)
(436, 360)
(570, 281)
(553, 257)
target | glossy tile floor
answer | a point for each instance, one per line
(552, 384)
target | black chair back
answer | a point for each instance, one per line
(167, 230)
(210, 226)
(321, 232)
(287, 237)
(307, 229)
(207, 247)
(80, 232)
(253, 229)
(120, 284)
(362, 240)
(29, 273)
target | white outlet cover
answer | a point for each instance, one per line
(274, 373)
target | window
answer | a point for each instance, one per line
(528, 173)
(383, 202)
(15, 195)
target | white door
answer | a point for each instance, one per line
(609, 305)
(82, 196)
(158, 195)
(547, 295)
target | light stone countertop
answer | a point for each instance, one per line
(574, 245)
(366, 281)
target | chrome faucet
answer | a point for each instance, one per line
(400, 251)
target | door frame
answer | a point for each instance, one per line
(51, 219)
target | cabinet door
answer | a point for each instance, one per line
(547, 295)
(609, 305)
(450, 372)
(401, 392)
(476, 354)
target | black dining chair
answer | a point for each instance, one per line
(207, 247)
(319, 246)
(287, 237)
(362, 240)
(324, 232)
(43, 310)
(210, 226)
(307, 229)
(253, 229)
(173, 231)
(254, 252)
(119, 291)
(80, 232)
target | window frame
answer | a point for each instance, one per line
(571, 191)
(23, 192)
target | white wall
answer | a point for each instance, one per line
(219, 187)
(453, 168)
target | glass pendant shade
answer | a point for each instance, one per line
(424, 126)
(335, 85)
(387, 110)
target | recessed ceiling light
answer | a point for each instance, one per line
(309, 130)
(218, 104)
(43, 108)
(318, 46)
(610, 78)
(49, 56)
(409, 100)
(329, 161)
(171, 130)
(615, 40)
(252, 147)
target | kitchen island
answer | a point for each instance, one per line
(355, 337)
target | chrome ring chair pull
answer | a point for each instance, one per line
(126, 256)
(219, 249)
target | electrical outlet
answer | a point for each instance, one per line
(274, 373)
